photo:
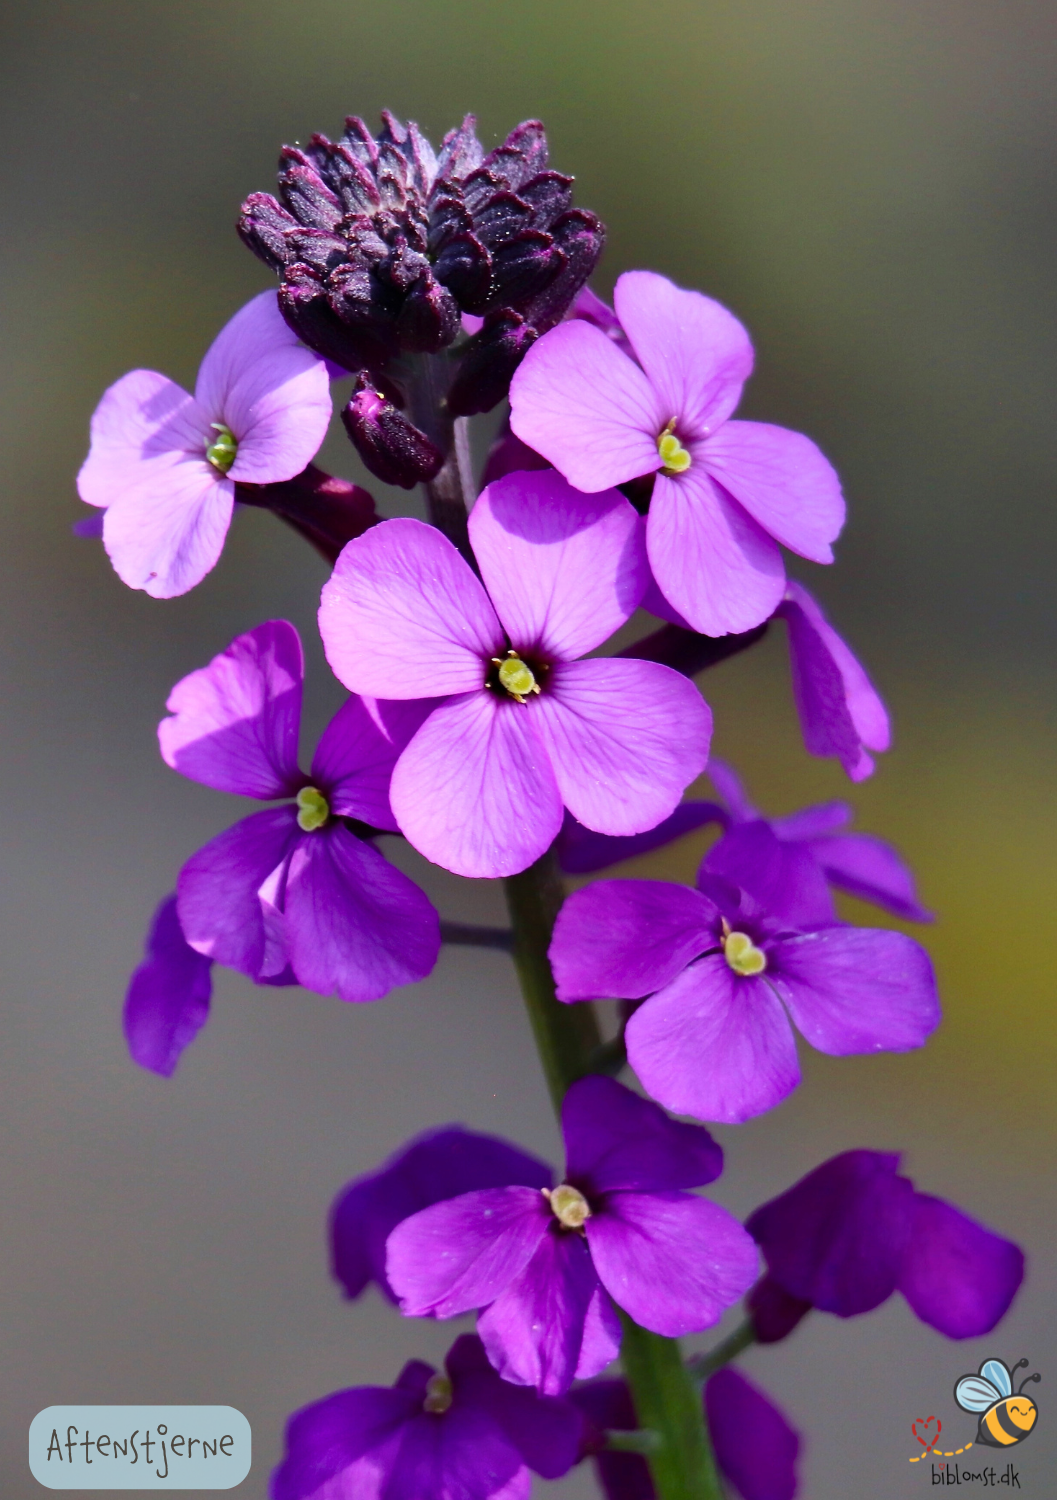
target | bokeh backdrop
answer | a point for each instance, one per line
(869, 184)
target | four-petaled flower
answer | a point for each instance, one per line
(525, 727)
(548, 1266)
(297, 891)
(165, 464)
(460, 1434)
(726, 493)
(713, 1038)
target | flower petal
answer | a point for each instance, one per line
(728, 784)
(142, 420)
(464, 1456)
(325, 1440)
(355, 925)
(436, 1166)
(714, 1045)
(403, 616)
(602, 1335)
(696, 354)
(711, 560)
(356, 754)
(622, 939)
(857, 989)
(812, 822)
(782, 878)
(474, 790)
(783, 481)
(217, 889)
(235, 723)
(168, 996)
(869, 868)
(534, 1330)
(836, 1239)
(564, 570)
(581, 402)
(581, 852)
(545, 1431)
(272, 392)
(673, 1261)
(616, 1139)
(756, 1448)
(958, 1276)
(455, 1256)
(624, 737)
(840, 711)
(164, 534)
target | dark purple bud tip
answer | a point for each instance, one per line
(391, 446)
(485, 370)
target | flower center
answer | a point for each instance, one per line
(518, 678)
(568, 1205)
(313, 809)
(674, 457)
(743, 955)
(221, 452)
(438, 1394)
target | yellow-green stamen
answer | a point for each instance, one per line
(221, 452)
(438, 1394)
(674, 457)
(518, 679)
(743, 955)
(568, 1205)
(313, 809)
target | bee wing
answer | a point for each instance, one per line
(996, 1372)
(973, 1393)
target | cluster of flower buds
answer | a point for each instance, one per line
(483, 728)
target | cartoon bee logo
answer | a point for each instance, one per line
(1006, 1418)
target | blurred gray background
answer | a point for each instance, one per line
(869, 184)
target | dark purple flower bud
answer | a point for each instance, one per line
(774, 1311)
(168, 996)
(389, 443)
(381, 244)
(853, 1231)
(433, 1167)
(485, 370)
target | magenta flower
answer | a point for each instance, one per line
(853, 1231)
(756, 1449)
(298, 891)
(548, 1266)
(726, 493)
(437, 1165)
(165, 464)
(713, 1038)
(167, 1003)
(524, 726)
(463, 1434)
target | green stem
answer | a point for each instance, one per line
(707, 1364)
(666, 1398)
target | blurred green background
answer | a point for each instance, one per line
(869, 185)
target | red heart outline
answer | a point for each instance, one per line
(929, 1442)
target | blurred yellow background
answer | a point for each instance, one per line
(869, 185)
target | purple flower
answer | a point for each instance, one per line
(524, 726)
(726, 493)
(755, 1447)
(435, 1166)
(713, 1039)
(548, 1266)
(853, 1231)
(165, 464)
(168, 996)
(841, 713)
(296, 891)
(459, 1435)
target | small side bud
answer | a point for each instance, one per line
(389, 443)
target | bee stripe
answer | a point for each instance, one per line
(1002, 1427)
